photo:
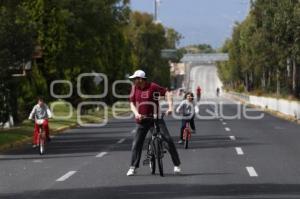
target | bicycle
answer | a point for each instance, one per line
(41, 136)
(155, 149)
(187, 135)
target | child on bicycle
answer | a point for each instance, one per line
(188, 109)
(40, 111)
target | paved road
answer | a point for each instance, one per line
(229, 157)
(206, 77)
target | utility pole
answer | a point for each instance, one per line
(156, 5)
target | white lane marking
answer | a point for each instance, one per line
(121, 140)
(251, 172)
(37, 161)
(232, 137)
(224, 123)
(100, 155)
(239, 151)
(227, 129)
(133, 131)
(66, 176)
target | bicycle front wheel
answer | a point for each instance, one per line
(41, 143)
(152, 164)
(186, 143)
(42, 147)
(186, 137)
(159, 156)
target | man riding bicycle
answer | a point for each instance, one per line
(143, 103)
(40, 111)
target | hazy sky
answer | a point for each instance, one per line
(199, 21)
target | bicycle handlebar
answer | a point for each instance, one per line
(144, 117)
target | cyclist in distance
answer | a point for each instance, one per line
(188, 109)
(218, 92)
(40, 111)
(198, 92)
(144, 103)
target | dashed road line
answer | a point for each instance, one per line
(100, 155)
(133, 131)
(224, 123)
(227, 129)
(252, 172)
(239, 151)
(121, 140)
(66, 176)
(37, 161)
(232, 137)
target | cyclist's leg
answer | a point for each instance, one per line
(192, 123)
(183, 124)
(35, 134)
(138, 142)
(171, 146)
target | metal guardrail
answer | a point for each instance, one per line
(241, 96)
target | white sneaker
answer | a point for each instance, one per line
(131, 171)
(177, 170)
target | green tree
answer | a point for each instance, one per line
(16, 47)
(147, 40)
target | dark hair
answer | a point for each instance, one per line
(188, 93)
(40, 99)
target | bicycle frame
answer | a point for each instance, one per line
(187, 132)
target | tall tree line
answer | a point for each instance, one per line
(75, 37)
(264, 50)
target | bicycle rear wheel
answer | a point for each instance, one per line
(159, 156)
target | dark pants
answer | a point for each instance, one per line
(183, 125)
(139, 139)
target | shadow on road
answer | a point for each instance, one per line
(168, 191)
(75, 144)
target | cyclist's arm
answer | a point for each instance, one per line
(170, 102)
(135, 111)
(178, 109)
(31, 115)
(49, 113)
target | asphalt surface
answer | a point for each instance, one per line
(231, 155)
